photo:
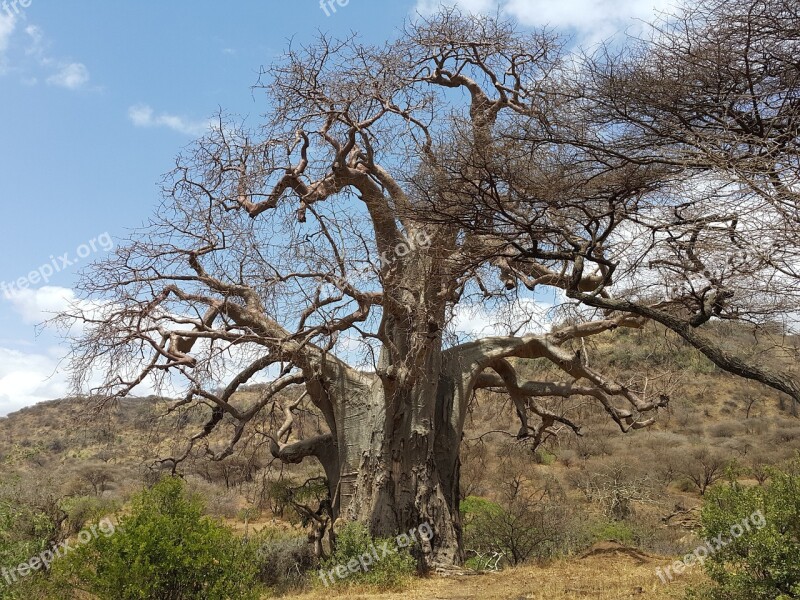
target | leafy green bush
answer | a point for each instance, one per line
(763, 563)
(27, 527)
(355, 546)
(476, 516)
(543, 457)
(85, 509)
(619, 531)
(164, 549)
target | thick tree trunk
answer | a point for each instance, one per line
(407, 473)
(399, 458)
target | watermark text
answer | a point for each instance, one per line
(701, 553)
(44, 559)
(57, 264)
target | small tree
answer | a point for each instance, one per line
(614, 487)
(98, 477)
(530, 521)
(704, 469)
(164, 549)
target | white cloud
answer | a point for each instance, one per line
(72, 76)
(143, 115)
(520, 317)
(38, 305)
(593, 20)
(36, 40)
(33, 374)
(8, 24)
(27, 378)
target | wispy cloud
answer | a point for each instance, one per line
(72, 76)
(591, 20)
(36, 43)
(38, 62)
(8, 24)
(143, 115)
(426, 7)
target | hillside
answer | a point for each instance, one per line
(641, 489)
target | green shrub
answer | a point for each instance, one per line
(520, 529)
(619, 531)
(353, 543)
(27, 527)
(763, 563)
(84, 509)
(249, 514)
(474, 507)
(164, 549)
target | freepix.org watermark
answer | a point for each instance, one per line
(329, 6)
(44, 559)
(376, 554)
(61, 262)
(418, 239)
(701, 553)
(13, 8)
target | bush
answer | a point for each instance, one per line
(84, 509)
(390, 572)
(284, 558)
(764, 562)
(527, 526)
(29, 522)
(618, 531)
(543, 457)
(477, 515)
(165, 549)
(24, 532)
(645, 532)
(726, 429)
(704, 468)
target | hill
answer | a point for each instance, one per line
(73, 460)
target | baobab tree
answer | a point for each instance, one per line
(329, 250)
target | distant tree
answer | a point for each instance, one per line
(96, 476)
(704, 468)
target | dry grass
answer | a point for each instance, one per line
(599, 578)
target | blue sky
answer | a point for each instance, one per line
(96, 98)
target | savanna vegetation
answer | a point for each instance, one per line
(622, 219)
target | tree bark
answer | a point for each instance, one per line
(399, 458)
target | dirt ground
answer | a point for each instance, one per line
(600, 577)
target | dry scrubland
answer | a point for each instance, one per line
(600, 578)
(642, 489)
